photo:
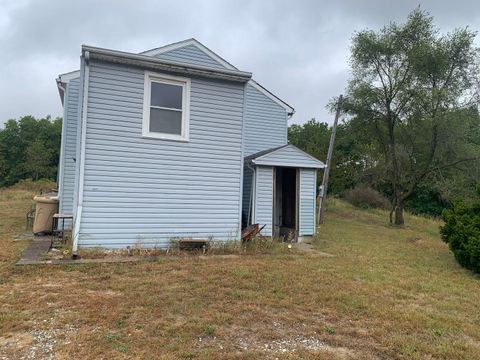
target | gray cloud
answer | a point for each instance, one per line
(297, 49)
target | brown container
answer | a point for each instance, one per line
(46, 207)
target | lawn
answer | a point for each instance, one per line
(386, 293)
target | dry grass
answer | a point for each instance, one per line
(387, 293)
(256, 246)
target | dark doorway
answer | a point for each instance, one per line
(285, 203)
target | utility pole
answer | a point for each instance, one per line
(326, 173)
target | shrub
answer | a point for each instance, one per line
(462, 234)
(366, 197)
(427, 201)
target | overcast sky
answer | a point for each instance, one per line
(297, 49)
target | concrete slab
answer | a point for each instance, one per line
(36, 250)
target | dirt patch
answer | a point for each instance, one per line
(295, 345)
(308, 248)
(290, 346)
(35, 344)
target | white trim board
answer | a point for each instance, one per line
(188, 42)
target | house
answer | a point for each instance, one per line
(176, 142)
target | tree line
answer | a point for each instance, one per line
(29, 149)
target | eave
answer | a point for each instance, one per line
(152, 63)
(63, 80)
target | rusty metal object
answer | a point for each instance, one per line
(253, 231)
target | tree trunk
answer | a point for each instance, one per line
(399, 214)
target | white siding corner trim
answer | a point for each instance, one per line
(151, 77)
(78, 214)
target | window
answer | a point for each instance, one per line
(166, 107)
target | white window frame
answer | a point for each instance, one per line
(170, 80)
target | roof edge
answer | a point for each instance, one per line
(258, 156)
(91, 52)
(65, 78)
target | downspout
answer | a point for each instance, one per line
(60, 86)
(78, 217)
(61, 169)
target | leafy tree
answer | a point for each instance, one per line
(11, 153)
(29, 148)
(37, 162)
(312, 137)
(409, 85)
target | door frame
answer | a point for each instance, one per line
(276, 233)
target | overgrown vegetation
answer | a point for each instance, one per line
(29, 149)
(462, 233)
(386, 293)
(366, 197)
(255, 246)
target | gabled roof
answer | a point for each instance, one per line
(287, 156)
(190, 42)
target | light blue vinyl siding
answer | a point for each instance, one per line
(147, 191)
(308, 179)
(190, 55)
(289, 156)
(69, 132)
(265, 122)
(264, 198)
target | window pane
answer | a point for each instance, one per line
(166, 95)
(166, 121)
